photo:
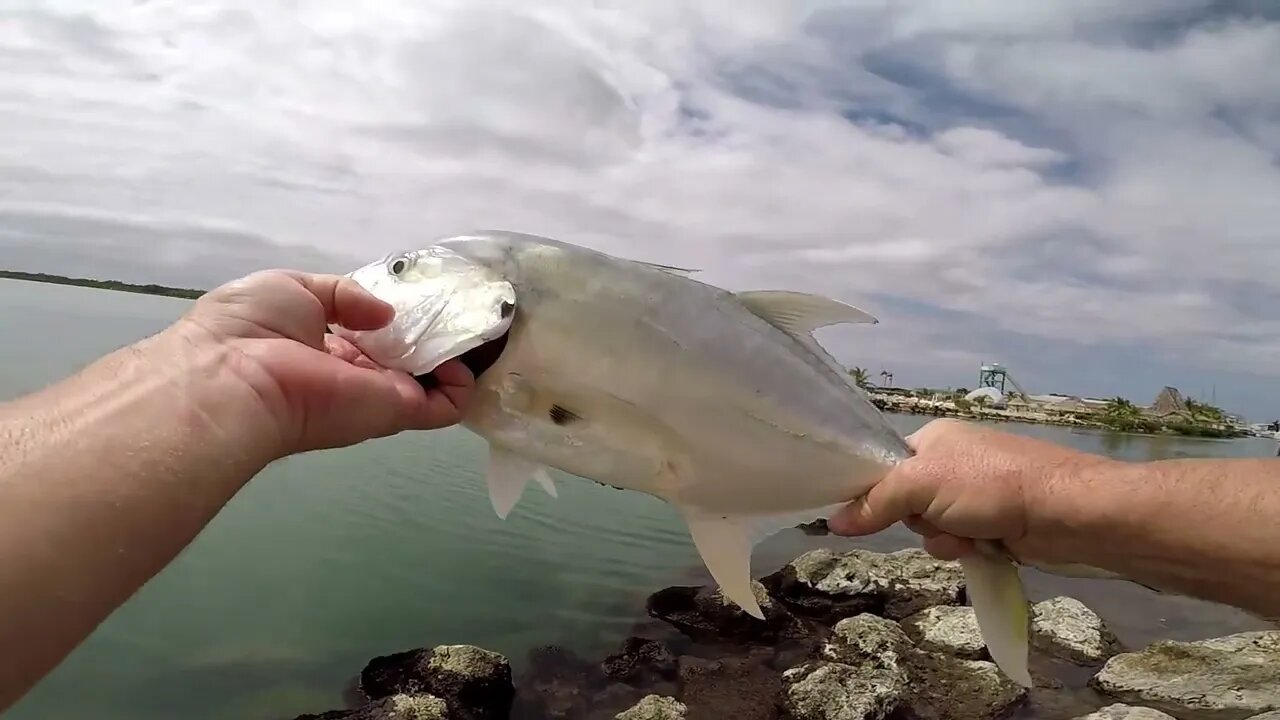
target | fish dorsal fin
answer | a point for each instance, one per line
(506, 477)
(799, 314)
(682, 272)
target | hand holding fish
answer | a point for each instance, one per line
(315, 388)
(1202, 527)
(967, 482)
(107, 475)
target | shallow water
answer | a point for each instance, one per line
(329, 559)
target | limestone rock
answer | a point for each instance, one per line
(1120, 711)
(834, 691)
(949, 688)
(655, 707)
(872, 642)
(705, 613)
(1228, 678)
(829, 586)
(952, 630)
(1067, 628)
(475, 683)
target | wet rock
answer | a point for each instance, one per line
(557, 685)
(474, 683)
(952, 630)
(1273, 715)
(949, 688)
(704, 613)
(1067, 628)
(1228, 678)
(1120, 711)
(829, 586)
(394, 707)
(641, 662)
(870, 642)
(739, 688)
(655, 707)
(834, 691)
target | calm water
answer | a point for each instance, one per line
(329, 559)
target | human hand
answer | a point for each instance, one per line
(315, 389)
(969, 482)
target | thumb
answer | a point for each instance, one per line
(901, 494)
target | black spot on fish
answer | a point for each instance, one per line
(477, 360)
(562, 416)
(506, 309)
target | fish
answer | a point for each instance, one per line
(639, 376)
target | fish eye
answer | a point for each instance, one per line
(399, 265)
(506, 309)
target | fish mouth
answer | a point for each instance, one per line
(478, 360)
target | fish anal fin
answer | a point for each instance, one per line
(725, 543)
(1000, 605)
(722, 542)
(506, 477)
(799, 314)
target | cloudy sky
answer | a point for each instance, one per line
(1087, 190)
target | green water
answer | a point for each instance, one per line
(329, 559)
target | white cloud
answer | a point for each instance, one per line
(1099, 171)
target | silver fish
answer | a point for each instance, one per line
(720, 403)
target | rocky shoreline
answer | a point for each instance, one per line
(846, 636)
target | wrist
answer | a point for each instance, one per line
(214, 396)
(1071, 509)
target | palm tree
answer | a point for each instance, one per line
(860, 377)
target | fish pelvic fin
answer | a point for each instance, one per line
(725, 543)
(507, 475)
(1000, 604)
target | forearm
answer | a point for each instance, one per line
(104, 478)
(1207, 528)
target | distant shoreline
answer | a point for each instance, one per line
(147, 289)
(917, 406)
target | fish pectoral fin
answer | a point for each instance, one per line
(725, 543)
(799, 314)
(506, 477)
(1000, 605)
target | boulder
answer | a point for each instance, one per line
(829, 586)
(1228, 678)
(655, 707)
(474, 683)
(1067, 628)
(950, 688)
(948, 629)
(871, 642)
(824, 690)
(1120, 711)
(704, 613)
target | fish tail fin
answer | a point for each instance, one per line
(1003, 613)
